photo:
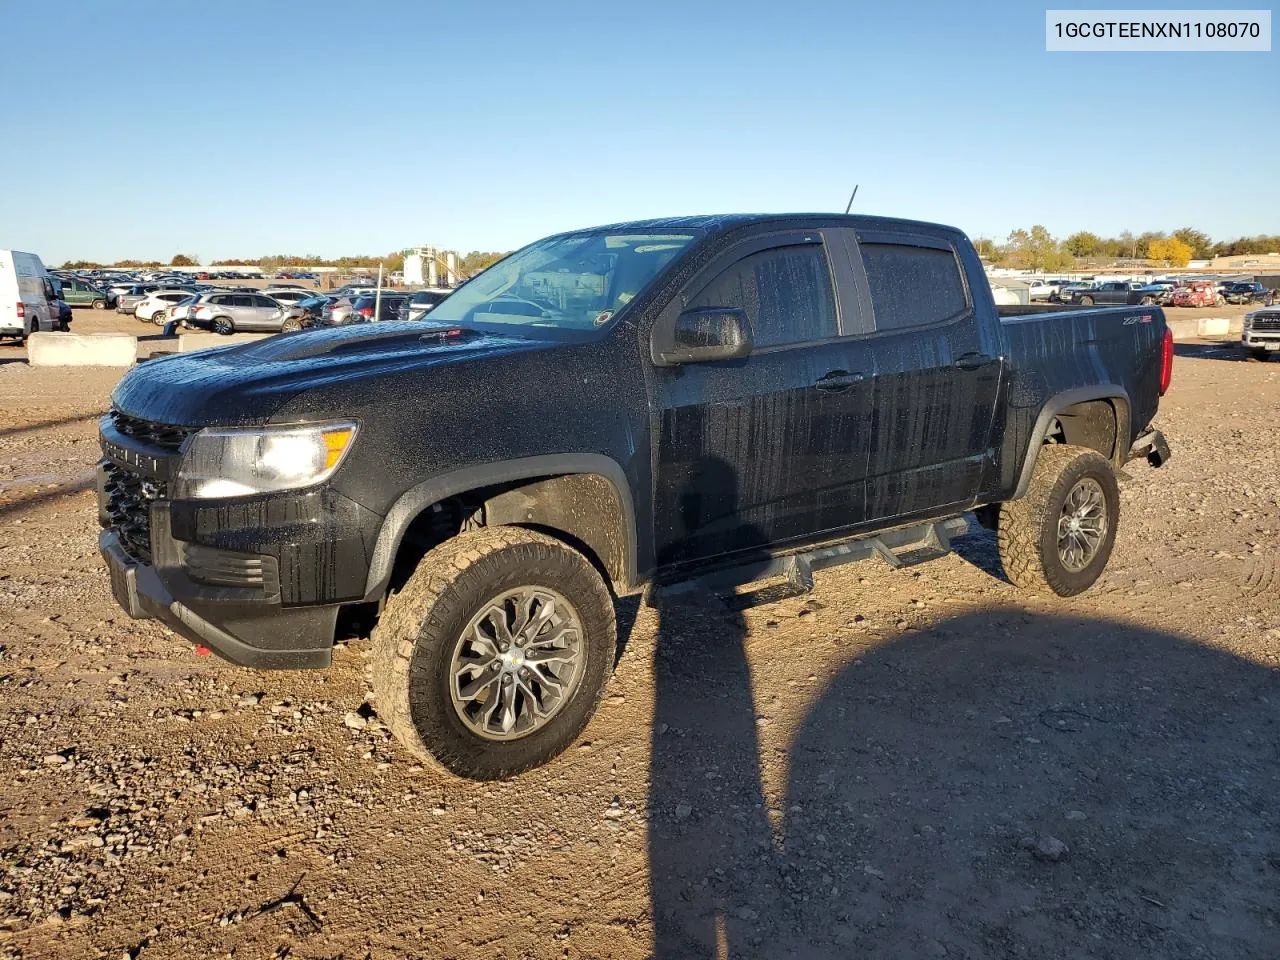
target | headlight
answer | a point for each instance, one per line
(233, 462)
(1248, 321)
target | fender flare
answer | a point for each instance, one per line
(420, 496)
(1069, 398)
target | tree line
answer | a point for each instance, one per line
(1037, 249)
(468, 264)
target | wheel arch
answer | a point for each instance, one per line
(1096, 417)
(583, 499)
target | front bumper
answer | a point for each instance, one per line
(1261, 339)
(263, 636)
(258, 580)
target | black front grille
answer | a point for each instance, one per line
(1266, 323)
(128, 508)
(164, 435)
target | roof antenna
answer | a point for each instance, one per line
(849, 205)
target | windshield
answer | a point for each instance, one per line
(575, 282)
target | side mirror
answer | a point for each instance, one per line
(712, 333)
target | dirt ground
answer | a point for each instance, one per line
(915, 763)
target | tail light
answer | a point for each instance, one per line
(1166, 361)
(365, 311)
(22, 310)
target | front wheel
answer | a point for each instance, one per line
(99, 304)
(223, 326)
(1087, 301)
(494, 655)
(291, 325)
(1220, 301)
(1059, 537)
(1259, 353)
(1148, 301)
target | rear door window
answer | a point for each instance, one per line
(913, 286)
(786, 293)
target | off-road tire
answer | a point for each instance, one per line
(414, 640)
(1028, 528)
(223, 326)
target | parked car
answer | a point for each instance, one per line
(1041, 289)
(288, 295)
(27, 295)
(1250, 292)
(1067, 291)
(1117, 292)
(226, 313)
(128, 300)
(1198, 293)
(422, 302)
(151, 309)
(312, 309)
(299, 474)
(180, 311)
(1261, 336)
(339, 309)
(388, 306)
(81, 293)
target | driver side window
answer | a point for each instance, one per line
(786, 293)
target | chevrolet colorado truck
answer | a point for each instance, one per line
(728, 398)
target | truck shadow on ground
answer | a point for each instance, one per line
(1229, 350)
(1001, 784)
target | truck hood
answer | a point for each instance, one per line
(248, 383)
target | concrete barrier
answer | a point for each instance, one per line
(1191, 328)
(82, 350)
(188, 342)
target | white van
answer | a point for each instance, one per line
(26, 295)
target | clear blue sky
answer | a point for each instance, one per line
(141, 129)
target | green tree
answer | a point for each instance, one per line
(1034, 249)
(1199, 242)
(1083, 244)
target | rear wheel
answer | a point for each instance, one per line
(1087, 301)
(493, 656)
(224, 326)
(1059, 536)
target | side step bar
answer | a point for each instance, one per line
(903, 547)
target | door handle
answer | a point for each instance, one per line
(839, 380)
(972, 361)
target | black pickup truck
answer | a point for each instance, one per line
(723, 397)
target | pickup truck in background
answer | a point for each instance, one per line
(724, 398)
(1117, 292)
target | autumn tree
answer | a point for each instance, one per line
(1171, 251)
(184, 260)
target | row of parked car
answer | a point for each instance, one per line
(279, 307)
(1175, 292)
